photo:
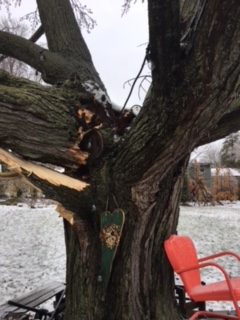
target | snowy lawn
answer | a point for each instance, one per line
(32, 250)
(214, 229)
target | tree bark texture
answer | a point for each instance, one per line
(194, 99)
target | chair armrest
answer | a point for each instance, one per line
(228, 281)
(220, 254)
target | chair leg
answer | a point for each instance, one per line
(185, 305)
(202, 306)
(180, 294)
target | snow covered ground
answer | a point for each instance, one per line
(214, 229)
(32, 250)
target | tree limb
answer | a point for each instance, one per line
(52, 177)
(228, 124)
(39, 32)
(215, 53)
(64, 37)
(67, 54)
(164, 42)
(73, 193)
(36, 121)
(53, 67)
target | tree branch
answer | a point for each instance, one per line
(215, 53)
(39, 32)
(53, 67)
(50, 176)
(73, 193)
(64, 37)
(228, 124)
(36, 121)
(164, 42)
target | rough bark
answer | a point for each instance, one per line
(67, 53)
(52, 66)
(69, 45)
(192, 101)
(164, 44)
(142, 270)
(35, 121)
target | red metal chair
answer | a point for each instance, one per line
(182, 256)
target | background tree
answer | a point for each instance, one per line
(209, 153)
(195, 73)
(230, 152)
(11, 65)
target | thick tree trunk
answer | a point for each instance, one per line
(141, 285)
(141, 262)
(84, 292)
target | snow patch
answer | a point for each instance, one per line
(99, 95)
(32, 249)
(225, 172)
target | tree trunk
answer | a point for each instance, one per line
(136, 289)
(142, 270)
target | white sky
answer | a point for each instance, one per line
(115, 43)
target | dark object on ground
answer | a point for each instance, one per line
(18, 309)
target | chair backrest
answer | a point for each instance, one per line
(182, 254)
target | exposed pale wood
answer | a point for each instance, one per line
(65, 214)
(27, 168)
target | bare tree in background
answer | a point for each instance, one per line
(14, 66)
(9, 64)
(195, 57)
(230, 152)
(209, 153)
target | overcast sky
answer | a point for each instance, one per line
(117, 43)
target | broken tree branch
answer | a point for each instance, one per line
(52, 177)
